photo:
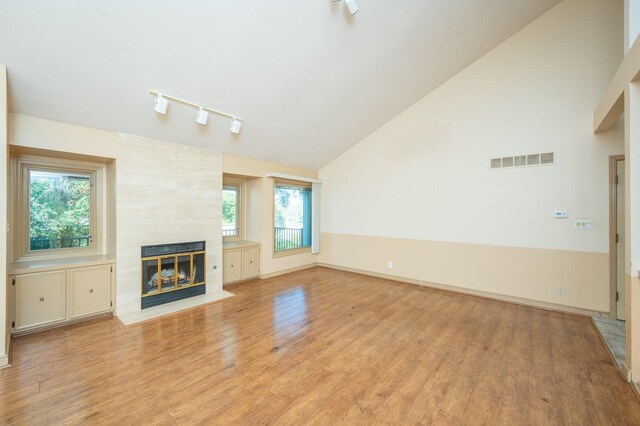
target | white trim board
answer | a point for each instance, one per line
(292, 177)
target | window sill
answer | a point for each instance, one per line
(25, 267)
(239, 244)
(291, 252)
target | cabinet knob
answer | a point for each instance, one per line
(232, 266)
(90, 290)
(41, 299)
(251, 261)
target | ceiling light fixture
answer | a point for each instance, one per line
(351, 5)
(202, 114)
(161, 104)
(235, 126)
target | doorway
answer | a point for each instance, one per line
(616, 237)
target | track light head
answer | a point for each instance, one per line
(202, 116)
(235, 126)
(352, 6)
(161, 104)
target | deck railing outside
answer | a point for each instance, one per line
(58, 243)
(288, 238)
(229, 232)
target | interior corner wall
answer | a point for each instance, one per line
(419, 191)
(4, 149)
(260, 210)
(166, 193)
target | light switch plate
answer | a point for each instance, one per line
(582, 224)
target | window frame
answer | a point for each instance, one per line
(239, 184)
(23, 166)
(292, 251)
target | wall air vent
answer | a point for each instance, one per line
(544, 158)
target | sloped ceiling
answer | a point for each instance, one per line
(309, 79)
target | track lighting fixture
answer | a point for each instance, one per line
(351, 5)
(235, 126)
(202, 114)
(161, 104)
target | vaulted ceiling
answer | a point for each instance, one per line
(309, 79)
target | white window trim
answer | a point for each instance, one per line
(279, 180)
(97, 171)
(240, 212)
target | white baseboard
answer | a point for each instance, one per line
(4, 361)
(288, 271)
(626, 372)
(494, 296)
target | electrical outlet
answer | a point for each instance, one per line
(560, 291)
(390, 265)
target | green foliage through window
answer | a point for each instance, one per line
(59, 210)
(230, 211)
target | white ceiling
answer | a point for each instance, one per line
(309, 79)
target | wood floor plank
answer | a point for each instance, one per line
(322, 347)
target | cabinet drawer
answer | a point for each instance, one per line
(39, 299)
(250, 262)
(90, 290)
(231, 266)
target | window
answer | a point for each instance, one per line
(58, 207)
(59, 210)
(232, 209)
(292, 216)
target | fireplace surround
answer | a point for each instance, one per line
(172, 272)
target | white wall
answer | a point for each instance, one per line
(425, 175)
(631, 23)
(166, 193)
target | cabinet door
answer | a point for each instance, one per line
(231, 266)
(90, 290)
(40, 299)
(250, 262)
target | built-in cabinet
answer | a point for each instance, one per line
(240, 261)
(40, 299)
(90, 290)
(58, 296)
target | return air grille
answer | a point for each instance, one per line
(523, 160)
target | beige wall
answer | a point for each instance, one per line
(4, 147)
(245, 166)
(166, 193)
(32, 132)
(528, 273)
(632, 228)
(425, 175)
(260, 209)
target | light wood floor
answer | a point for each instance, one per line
(325, 347)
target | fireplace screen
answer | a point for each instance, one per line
(172, 267)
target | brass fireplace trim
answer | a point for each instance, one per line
(191, 254)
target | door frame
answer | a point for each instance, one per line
(613, 247)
